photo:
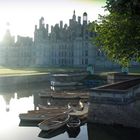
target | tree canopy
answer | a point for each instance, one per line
(119, 31)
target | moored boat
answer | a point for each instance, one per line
(37, 111)
(66, 95)
(61, 84)
(73, 122)
(50, 107)
(40, 116)
(67, 81)
(54, 122)
(82, 113)
(55, 109)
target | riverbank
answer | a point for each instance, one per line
(23, 79)
(12, 76)
(28, 71)
(15, 76)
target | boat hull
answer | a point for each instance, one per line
(54, 123)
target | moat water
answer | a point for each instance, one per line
(20, 99)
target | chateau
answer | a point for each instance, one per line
(65, 45)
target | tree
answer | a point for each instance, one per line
(123, 6)
(119, 31)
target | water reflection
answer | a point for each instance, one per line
(107, 132)
(72, 133)
(52, 133)
(7, 98)
(20, 99)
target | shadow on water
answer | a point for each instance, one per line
(29, 123)
(72, 133)
(95, 132)
(52, 133)
(108, 132)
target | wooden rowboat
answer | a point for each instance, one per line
(80, 113)
(55, 109)
(73, 122)
(55, 122)
(50, 107)
(40, 116)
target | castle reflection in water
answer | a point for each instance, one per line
(31, 90)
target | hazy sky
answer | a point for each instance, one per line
(24, 14)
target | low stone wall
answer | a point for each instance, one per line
(122, 85)
(116, 77)
(126, 115)
(23, 79)
(117, 103)
(69, 77)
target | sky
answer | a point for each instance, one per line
(23, 15)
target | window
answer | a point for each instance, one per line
(86, 53)
(82, 61)
(86, 61)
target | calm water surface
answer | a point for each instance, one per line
(20, 99)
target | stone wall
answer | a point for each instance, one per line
(121, 85)
(117, 103)
(126, 115)
(69, 77)
(119, 76)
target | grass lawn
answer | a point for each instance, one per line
(30, 71)
(132, 70)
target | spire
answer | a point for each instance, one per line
(74, 16)
(74, 12)
(7, 25)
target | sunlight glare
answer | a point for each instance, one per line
(16, 106)
(23, 18)
(2, 104)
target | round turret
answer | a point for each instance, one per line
(84, 18)
(84, 14)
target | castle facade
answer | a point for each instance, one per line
(65, 45)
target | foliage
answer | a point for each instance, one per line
(119, 32)
(123, 6)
